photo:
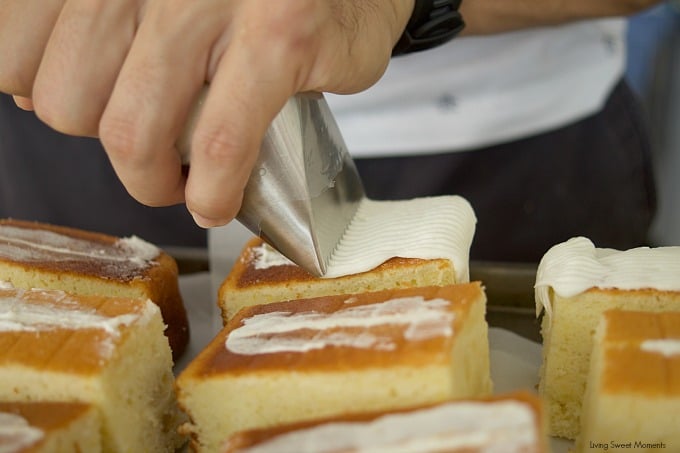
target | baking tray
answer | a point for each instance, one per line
(509, 288)
(510, 295)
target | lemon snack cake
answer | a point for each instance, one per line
(575, 283)
(632, 396)
(389, 244)
(49, 427)
(511, 423)
(299, 360)
(38, 255)
(107, 352)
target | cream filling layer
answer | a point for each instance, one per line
(576, 265)
(505, 426)
(428, 228)
(348, 327)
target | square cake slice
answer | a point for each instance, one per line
(49, 428)
(511, 423)
(632, 398)
(575, 283)
(39, 255)
(299, 360)
(108, 352)
(389, 244)
(262, 276)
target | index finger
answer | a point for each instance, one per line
(25, 28)
(252, 83)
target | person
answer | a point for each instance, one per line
(152, 58)
(128, 72)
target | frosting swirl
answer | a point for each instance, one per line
(574, 266)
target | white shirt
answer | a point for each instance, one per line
(480, 91)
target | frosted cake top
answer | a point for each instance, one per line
(574, 266)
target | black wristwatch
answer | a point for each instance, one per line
(432, 23)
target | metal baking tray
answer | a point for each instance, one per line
(510, 295)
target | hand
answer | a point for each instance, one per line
(128, 72)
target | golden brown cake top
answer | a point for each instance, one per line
(54, 331)
(410, 327)
(641, 352)
(511, 422)
(23, 425)
(58, 248)
(260, 264)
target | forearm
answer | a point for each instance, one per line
(496, 16)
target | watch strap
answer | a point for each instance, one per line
(432, 23)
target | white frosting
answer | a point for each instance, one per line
(29, 244)
(666, 347)
(6, 285)
(576, 265)
(138, 249)
(265, 256)
(276, 332)
(428, 228)
(500, 427)
(57, 310)
(16, 434)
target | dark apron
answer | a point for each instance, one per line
(54, 178)
(592, 178)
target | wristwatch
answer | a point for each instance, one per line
(432, 23)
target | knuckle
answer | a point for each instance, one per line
(295, 24)
(217, 144)
(66, 119)
(122, 138)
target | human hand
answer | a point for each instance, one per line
(128, 72)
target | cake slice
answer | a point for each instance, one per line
(575, 283)
(632, 398)
(37, 255)
(262, 276)
(511, 423)
(49, 428)
(300, 360)
(390, 244)
(107, 352)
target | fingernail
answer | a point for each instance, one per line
(23, 103)
(205, 222)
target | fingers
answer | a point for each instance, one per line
(129, 71)
(81, 62)
(251, 84)
(25, 28)
(275, 50)
(162, 74)
(23, 103)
